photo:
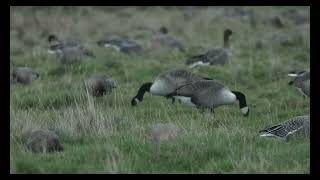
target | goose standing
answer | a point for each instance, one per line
(291, 126)
(165, 84)
(301, 81)
(210, 94)
(213, 56)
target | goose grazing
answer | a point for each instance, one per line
(99, 85)
(41, 141)
(301, 81)
(210, 94)
(291, 126)
(24, 75)
(213, 56)
(166, 83)
(161, 38)
(120, 44)
(57, 46)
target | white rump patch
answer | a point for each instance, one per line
(185, 100)
(112, 46)
(245, 110)
(199, 63)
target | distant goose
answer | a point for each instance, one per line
(210, 94)
(24, 75)
(56, 46)
(99, 85)
(291, 126)
(161, 38)
(120, 44)
(166, 83)
(214, 56)
(301, 81)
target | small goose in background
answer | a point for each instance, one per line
(291, 126)
(164, 132)
(99, 85)
(210, 94)
(301, 81)
(120, 44)
(161, 38)
(24, 75)
(214, 56)
(165, 84)
(57, 46)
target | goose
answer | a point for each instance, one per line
(120, 44)
(99, 85)
(213, 56)
(165, 84)
(301, 81)
(210, 94)
(161, 38)
(57, 46)
(291, 126)
(43, 141)
(24, 75)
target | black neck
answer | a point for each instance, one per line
(241, 97)
(226, 42)
(143, 89)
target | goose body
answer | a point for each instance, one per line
(291, 126)
(24, 75)
(99, 85)
(301, 81)
(166, 83)
(213, 56)
(57, 46)
(44, 141)
(120, 44)
(211, 94)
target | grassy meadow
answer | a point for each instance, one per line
(108, 135)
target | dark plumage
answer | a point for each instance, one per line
(99, 85)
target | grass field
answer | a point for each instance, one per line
(108, 135)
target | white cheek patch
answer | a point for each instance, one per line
(245, 110)
(136, 100)
(199, 63)
(292, 75)
(185, 100)
(112, 46)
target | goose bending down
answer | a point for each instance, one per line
(210, 94)
(213, 56)
(99, 85)
(57, 46)
(166, 83)
(291, 126)
(301, 81)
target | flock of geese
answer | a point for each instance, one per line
(176, 84)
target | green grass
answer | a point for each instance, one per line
(107, 135)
